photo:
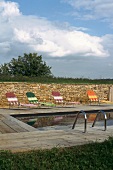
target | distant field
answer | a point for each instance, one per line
(58, 80)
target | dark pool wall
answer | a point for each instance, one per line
(43, 92)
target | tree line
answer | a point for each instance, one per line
(31, 68)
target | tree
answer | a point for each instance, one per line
(4, 69)
(30, 65)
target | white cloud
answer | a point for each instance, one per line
(9, 9)
(108, 43)
(21, 34)
(97, 9)
(72, 43)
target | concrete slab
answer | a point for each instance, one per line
(55, 110)
(25, 141)
(47, 139)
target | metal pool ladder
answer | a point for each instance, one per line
(105, 119)
(85, 119)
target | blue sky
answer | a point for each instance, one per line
(74, 37)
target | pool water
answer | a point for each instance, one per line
(46, 121)
(68, 126)
(101, 123)
(59, 122)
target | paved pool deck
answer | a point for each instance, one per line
(57, 110)
(18, 137)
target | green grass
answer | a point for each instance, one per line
(95, 156)
(58, 80)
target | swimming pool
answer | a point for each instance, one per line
(61, 122)
(65, 120)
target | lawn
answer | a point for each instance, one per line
(94, 156)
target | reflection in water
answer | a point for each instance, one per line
(64, 122)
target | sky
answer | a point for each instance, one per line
(74, 37)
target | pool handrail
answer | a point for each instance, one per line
(85, 120)
(105, 119)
